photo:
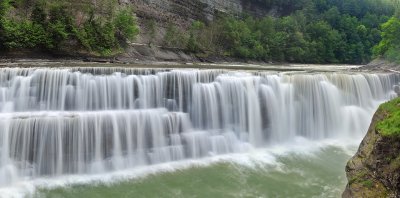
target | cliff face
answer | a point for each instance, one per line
(182, 11)
(374, 171)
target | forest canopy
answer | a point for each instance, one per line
(316, 31)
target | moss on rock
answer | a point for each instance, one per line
(390, 125)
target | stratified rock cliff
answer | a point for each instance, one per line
(180, 13)
(375, 169)
(183, 10)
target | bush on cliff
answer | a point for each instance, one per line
(391, 124)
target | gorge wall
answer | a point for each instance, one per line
(181, 14)
(375, 169)
(185, 10)
(153, 16)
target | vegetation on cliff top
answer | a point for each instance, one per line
(390, 125)
(66, 26)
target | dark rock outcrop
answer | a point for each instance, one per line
(374, 171)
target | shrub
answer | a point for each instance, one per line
(125, 24)
(390, 125)
(24, 34)
(193, 44)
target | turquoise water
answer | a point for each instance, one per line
(316, 173)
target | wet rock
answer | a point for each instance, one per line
(397, 89)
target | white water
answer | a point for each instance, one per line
(82, 121)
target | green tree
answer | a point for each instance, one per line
(297, 48)
(278, 46)
(126, 25)
(332, 16)
(326, 41)
(193, 44)
(4, 7)
(24, 34)
(389, 46)
(39, 15)
(60, 26)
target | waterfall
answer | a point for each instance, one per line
(65, 121)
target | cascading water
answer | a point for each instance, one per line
(93, 120)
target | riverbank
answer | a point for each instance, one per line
(382, 64)
(143, 55)
(135, 53)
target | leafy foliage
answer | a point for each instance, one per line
(390, 125)
(315, 31)
(55, 25)
(389, 46)
(4, 7)
(24, 34)
(193, 44)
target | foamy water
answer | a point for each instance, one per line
(254, 159)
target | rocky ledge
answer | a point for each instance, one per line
(374, 171)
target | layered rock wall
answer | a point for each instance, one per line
(182, 11)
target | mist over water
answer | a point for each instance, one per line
(76, 122)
